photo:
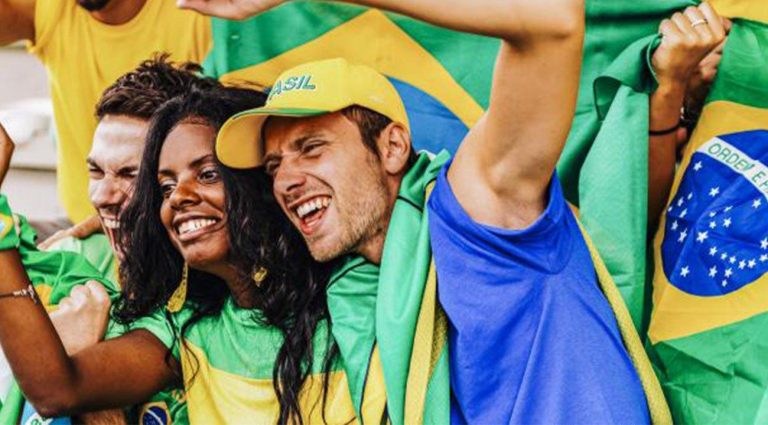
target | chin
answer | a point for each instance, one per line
(93, 5)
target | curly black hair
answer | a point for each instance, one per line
(292, 296)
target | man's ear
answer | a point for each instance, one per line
(395, 148)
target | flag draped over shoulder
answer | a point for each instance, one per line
(709, 324)
(444, 78)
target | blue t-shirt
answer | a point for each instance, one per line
(532, 338)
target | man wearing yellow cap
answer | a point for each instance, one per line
(517, 330)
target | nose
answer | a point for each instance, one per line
(288, 178)
(184, 195)
(107, 193)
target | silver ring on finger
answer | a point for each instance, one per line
(698, 22)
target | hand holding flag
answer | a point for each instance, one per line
(687, 38)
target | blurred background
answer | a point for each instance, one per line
(26, 113)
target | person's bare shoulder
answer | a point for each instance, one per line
(17, 21)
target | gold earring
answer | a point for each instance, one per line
(176, 302)
(260, 275)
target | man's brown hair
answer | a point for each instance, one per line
(371, 124)
(142, 91)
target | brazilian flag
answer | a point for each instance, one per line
(709, 325)
(444, 78)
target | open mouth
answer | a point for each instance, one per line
(193, 227)
(310, 213)
(110, 223)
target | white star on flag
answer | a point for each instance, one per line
(702, 236)
(727, 222)
(684, 213)
(712, 214)
(714, 191)
(713, 271)
(756, 203)
(690, 195)
(712, 251)
(685, 271)
(728, 208)
(732, 260)
(680, 202)
(725, 282)
(764, 243)
(752, 263)
(723, 256)
(742, 264)
(712, 224)
(764, 258)
(697, 166)
(728, 272)
(683, 235)
(674, 225)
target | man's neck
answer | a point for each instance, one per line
(118, 12)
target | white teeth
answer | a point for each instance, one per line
(311, 206)
(192, 225)
(111, 223)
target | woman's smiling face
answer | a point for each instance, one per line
(194, 201)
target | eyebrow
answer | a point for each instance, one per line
(194, 164)
(294, 145)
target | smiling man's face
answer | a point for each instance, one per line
(329, 184)
(113, 165)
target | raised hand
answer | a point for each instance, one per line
(229, 9)
(82, 317)
(687, 38)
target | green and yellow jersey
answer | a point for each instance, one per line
(227, 362)
(164, 408)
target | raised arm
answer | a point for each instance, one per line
(116, 373)
(685, 64)
(502, 169)
(17, 21)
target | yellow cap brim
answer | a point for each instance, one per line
(239, 144)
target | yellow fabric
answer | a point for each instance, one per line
(218, 397)
(374, 406)
(677, 314)
(657, 403)
(756, 10)
(83, 56)
(429, 342)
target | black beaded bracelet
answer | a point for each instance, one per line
(665, 131)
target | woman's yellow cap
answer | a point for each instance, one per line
(311, 89)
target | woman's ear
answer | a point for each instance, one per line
(395, 148)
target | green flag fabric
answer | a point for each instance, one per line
(372, 306)
(708, 335)
(444, 79)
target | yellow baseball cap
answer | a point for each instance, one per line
(311, 89)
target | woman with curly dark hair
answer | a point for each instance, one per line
(218, 290)
(235, 294)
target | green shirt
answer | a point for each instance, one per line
(228, 359)
(166, 407)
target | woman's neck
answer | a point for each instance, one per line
(243, 290)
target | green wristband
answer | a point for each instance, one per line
(9, 237)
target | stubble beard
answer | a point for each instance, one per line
(361, 220)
